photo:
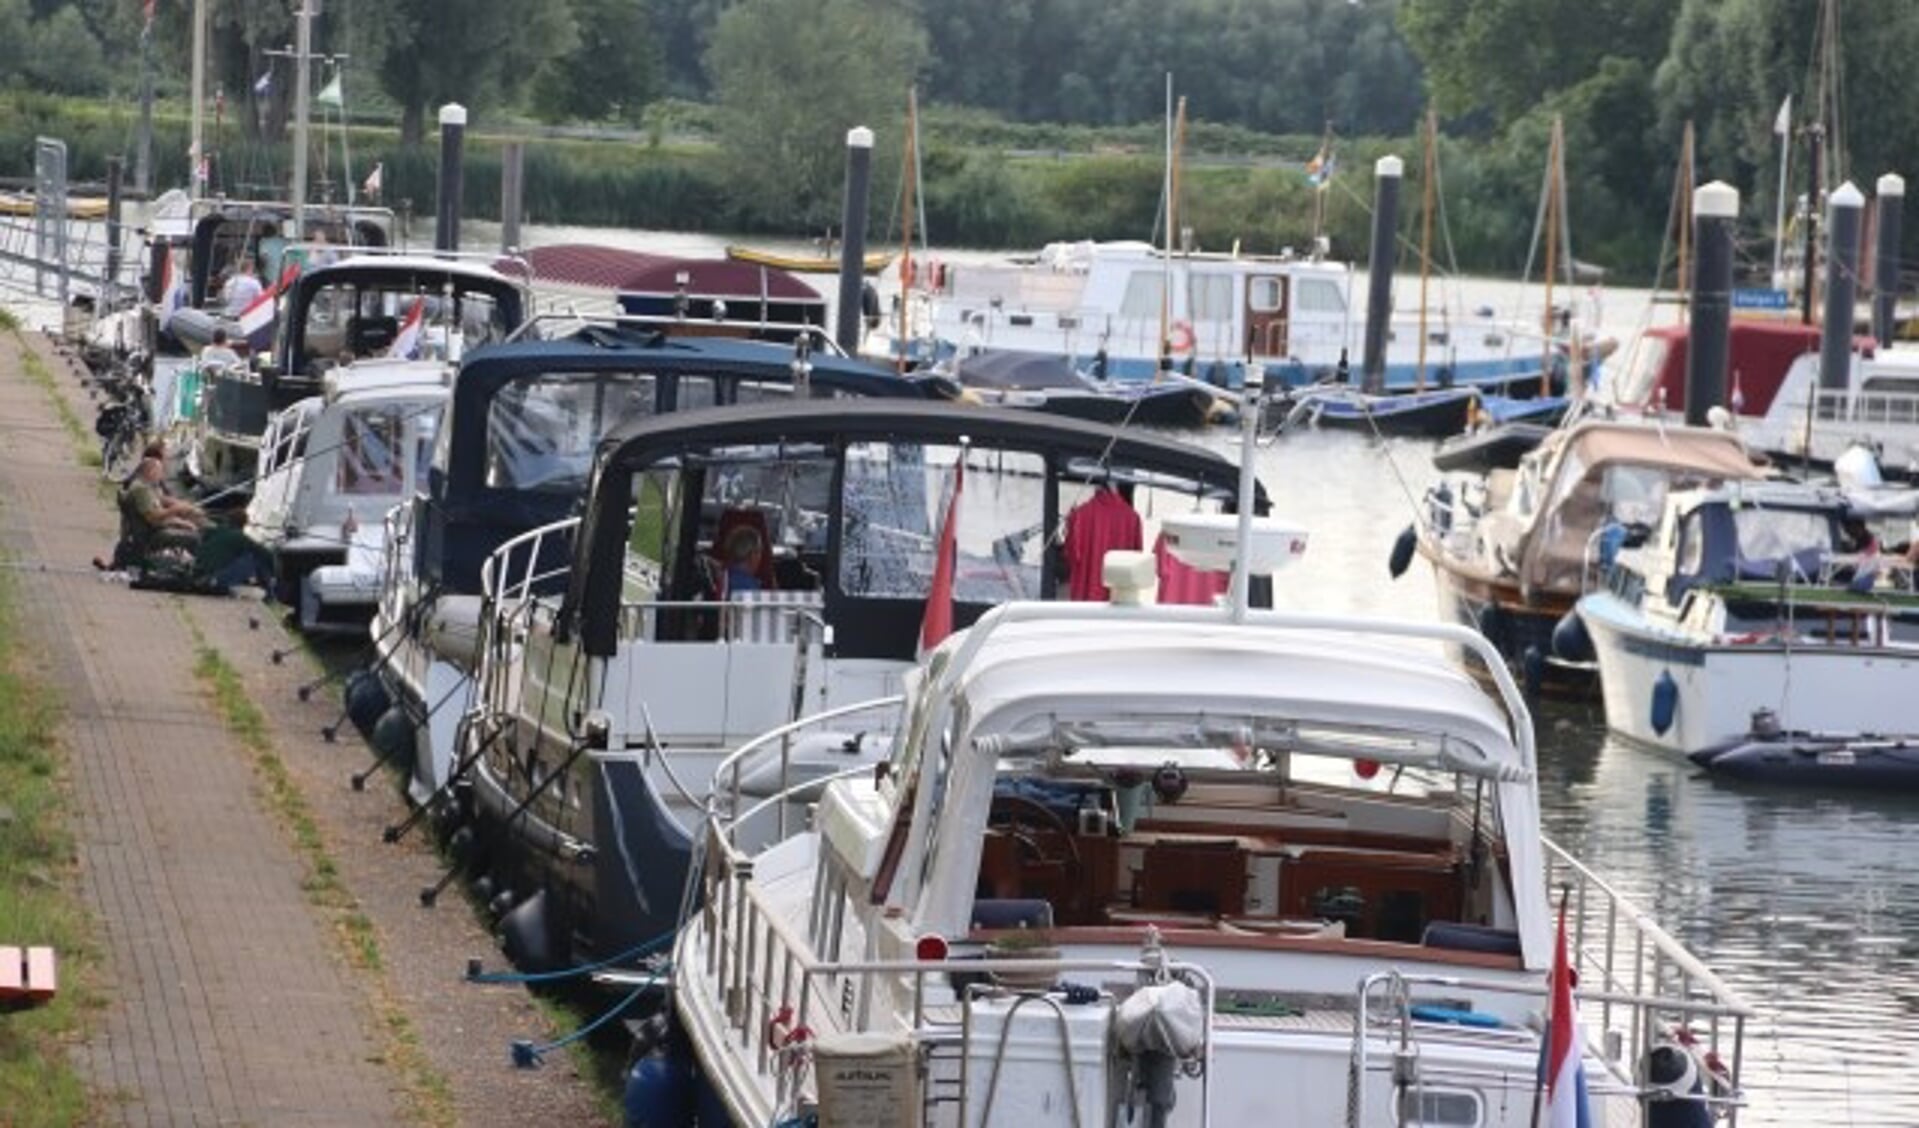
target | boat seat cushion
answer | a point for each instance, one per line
(1471, 938)
(998, 913)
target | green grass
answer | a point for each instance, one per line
(36, 371)
(38, 903)
(429, 1096)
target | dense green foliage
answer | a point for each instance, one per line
(1043, 115)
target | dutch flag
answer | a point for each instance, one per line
(406, 343)
(1564, 1072)
(938, 621)
(256, 320)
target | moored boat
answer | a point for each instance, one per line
(1754, 599)
(1136, 860)
(872, 263)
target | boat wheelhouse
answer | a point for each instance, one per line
(1756, 607)
(1514, 549)
(514, 450)
(677, 654)
(331, 466)
(1108, 308)
(1138, 861)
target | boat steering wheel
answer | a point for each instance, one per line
(1035, 826)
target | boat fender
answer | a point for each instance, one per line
(1532, 664)
(1402, 554)
(393, 734)
(870, 305)
(366, 699)
(1665, 702)
(1676, 1089)
(659, 1087)
(525, 937)
(1571, 643)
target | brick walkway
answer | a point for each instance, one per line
(225, 1001)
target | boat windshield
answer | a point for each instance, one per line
(1767, 537)
(896, 498)
(402, 319)
(541, 431)
(373, 447)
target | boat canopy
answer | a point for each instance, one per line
(1010, 368)
(1071, 686)
(876, 456)
(524, 417)
(355, 309)
(1617, 472)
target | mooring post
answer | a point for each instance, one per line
(1890, 193)
(1387, 172)
(859, 174)
(109, 290)
(1848, 206)
(1715, 209)
(512, 194)
(446, 227)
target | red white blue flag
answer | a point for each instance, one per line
(1565, 1073)
(938, 621)
(256, 320)
(406, 343)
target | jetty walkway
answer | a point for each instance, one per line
(263, 956)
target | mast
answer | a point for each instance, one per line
(1429, 175)
(196, 148)
(1782, 129)
(303, 54)
(1553, 219)
(910, 194)
(1166, 265)
(1685, 218)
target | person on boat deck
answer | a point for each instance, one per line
(241, 288)
(1105, 522)
(744, 553)
(220, 354)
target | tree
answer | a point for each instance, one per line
(615, 67)
(63, 56)
(480, 53)
(1510, 55)
(791, 77)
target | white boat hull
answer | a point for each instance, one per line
(1719, 687)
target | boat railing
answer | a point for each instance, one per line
(821, 341)
(1636, 975)
(726, 789)
(775, 996)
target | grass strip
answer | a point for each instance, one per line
(428, 1095)
(39, 1086)
(36, 370)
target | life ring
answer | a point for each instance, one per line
(1180, 337)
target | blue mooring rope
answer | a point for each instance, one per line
(526, 1055)
(475, 975)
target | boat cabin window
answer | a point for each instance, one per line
(350, 321)
(1145, 296)
(1317, 295)
(1209, 297)
(896, 497)
(1768, 536)
(373, 447)
(1265, 295)
(541, 431)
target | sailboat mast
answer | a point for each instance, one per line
(1782, 128)
(910, 195)
(196, 149)
(303, 54)
(1166, 264)
(1685, 219)
(1426, 238)
(1553, 219)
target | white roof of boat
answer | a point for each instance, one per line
(472, 268)
(1130, 665)
(1770, 494)
(378, 377)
